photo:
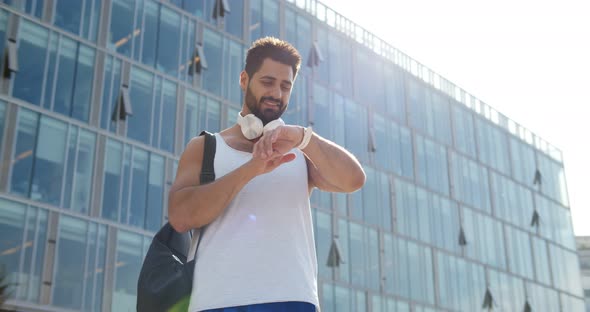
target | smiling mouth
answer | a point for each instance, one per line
(271, 104)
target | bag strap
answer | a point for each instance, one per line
(207, 176)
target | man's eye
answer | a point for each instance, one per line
(267, 83)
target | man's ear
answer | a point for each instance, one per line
(244, 80)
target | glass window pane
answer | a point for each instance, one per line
(2, 119)
(3, 22)
(32, 47)
(83, 83)
(112, 180)
(344, 268)
(342, 299)
(395, 92)
(191, 115)
(70, 260)
(493, 145)
(210, 115)
(50, 83)
(372, 252)
(234, 22)
(371, 211)
(356, 131)
(234, 58)
(110, 91)
(67, 15)
(195, 7)
(72, 142)
(357, 255)
(83, 175)
(541, 261)
(65, 76)
(168, 41)
(327, 302)
(94, 274)
(323, 230)
(139, 180)
(406, 152)
(270, 18)
(126, 184)
(155, 201)
(12, 228)
(48, 169)
(141, 95)
(121, 30)
(22, 163)
(168, 127)
(264, 19)
(129, 257)
(213, 46)
(187, 49)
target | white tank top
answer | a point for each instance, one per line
(261, 248)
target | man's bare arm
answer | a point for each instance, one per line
(191, 205)
(330, 167)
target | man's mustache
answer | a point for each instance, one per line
(271, 99)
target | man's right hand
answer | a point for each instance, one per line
(262, 163)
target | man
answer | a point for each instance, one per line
(257, 252)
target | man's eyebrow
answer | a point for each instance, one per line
(267, 77)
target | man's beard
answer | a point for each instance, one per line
(266, 115)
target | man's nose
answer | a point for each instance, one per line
(276, 93)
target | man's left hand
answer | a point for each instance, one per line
(282, 139)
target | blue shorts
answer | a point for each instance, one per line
(290, 306)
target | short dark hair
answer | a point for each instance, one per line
(275, 49)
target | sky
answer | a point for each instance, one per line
(530, 60)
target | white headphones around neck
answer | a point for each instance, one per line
(252, 126)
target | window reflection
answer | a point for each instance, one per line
(323, 235)
(213, 49)
(112, 180)
(470, 182)
(493, 145)
(463, 130)
(155, 204)
(139, 181)
(191, 115)
(79, 264)
(32, 47)
(432, 165)
(110, 93)
(3, 22)
(32, 7)
(210, 114)
(129, 257)
(22, 248)
(2, 119)
(168, 41)
(141, 93)
(70, 14)
(168, 128)
(121, 30)
(234, 22)
(49, 161)
(264, 19)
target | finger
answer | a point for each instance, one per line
(276, 133)
(257, 150)
(287, 158)
(267, 144)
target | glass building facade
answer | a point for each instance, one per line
(583, 245)
(463, 209)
